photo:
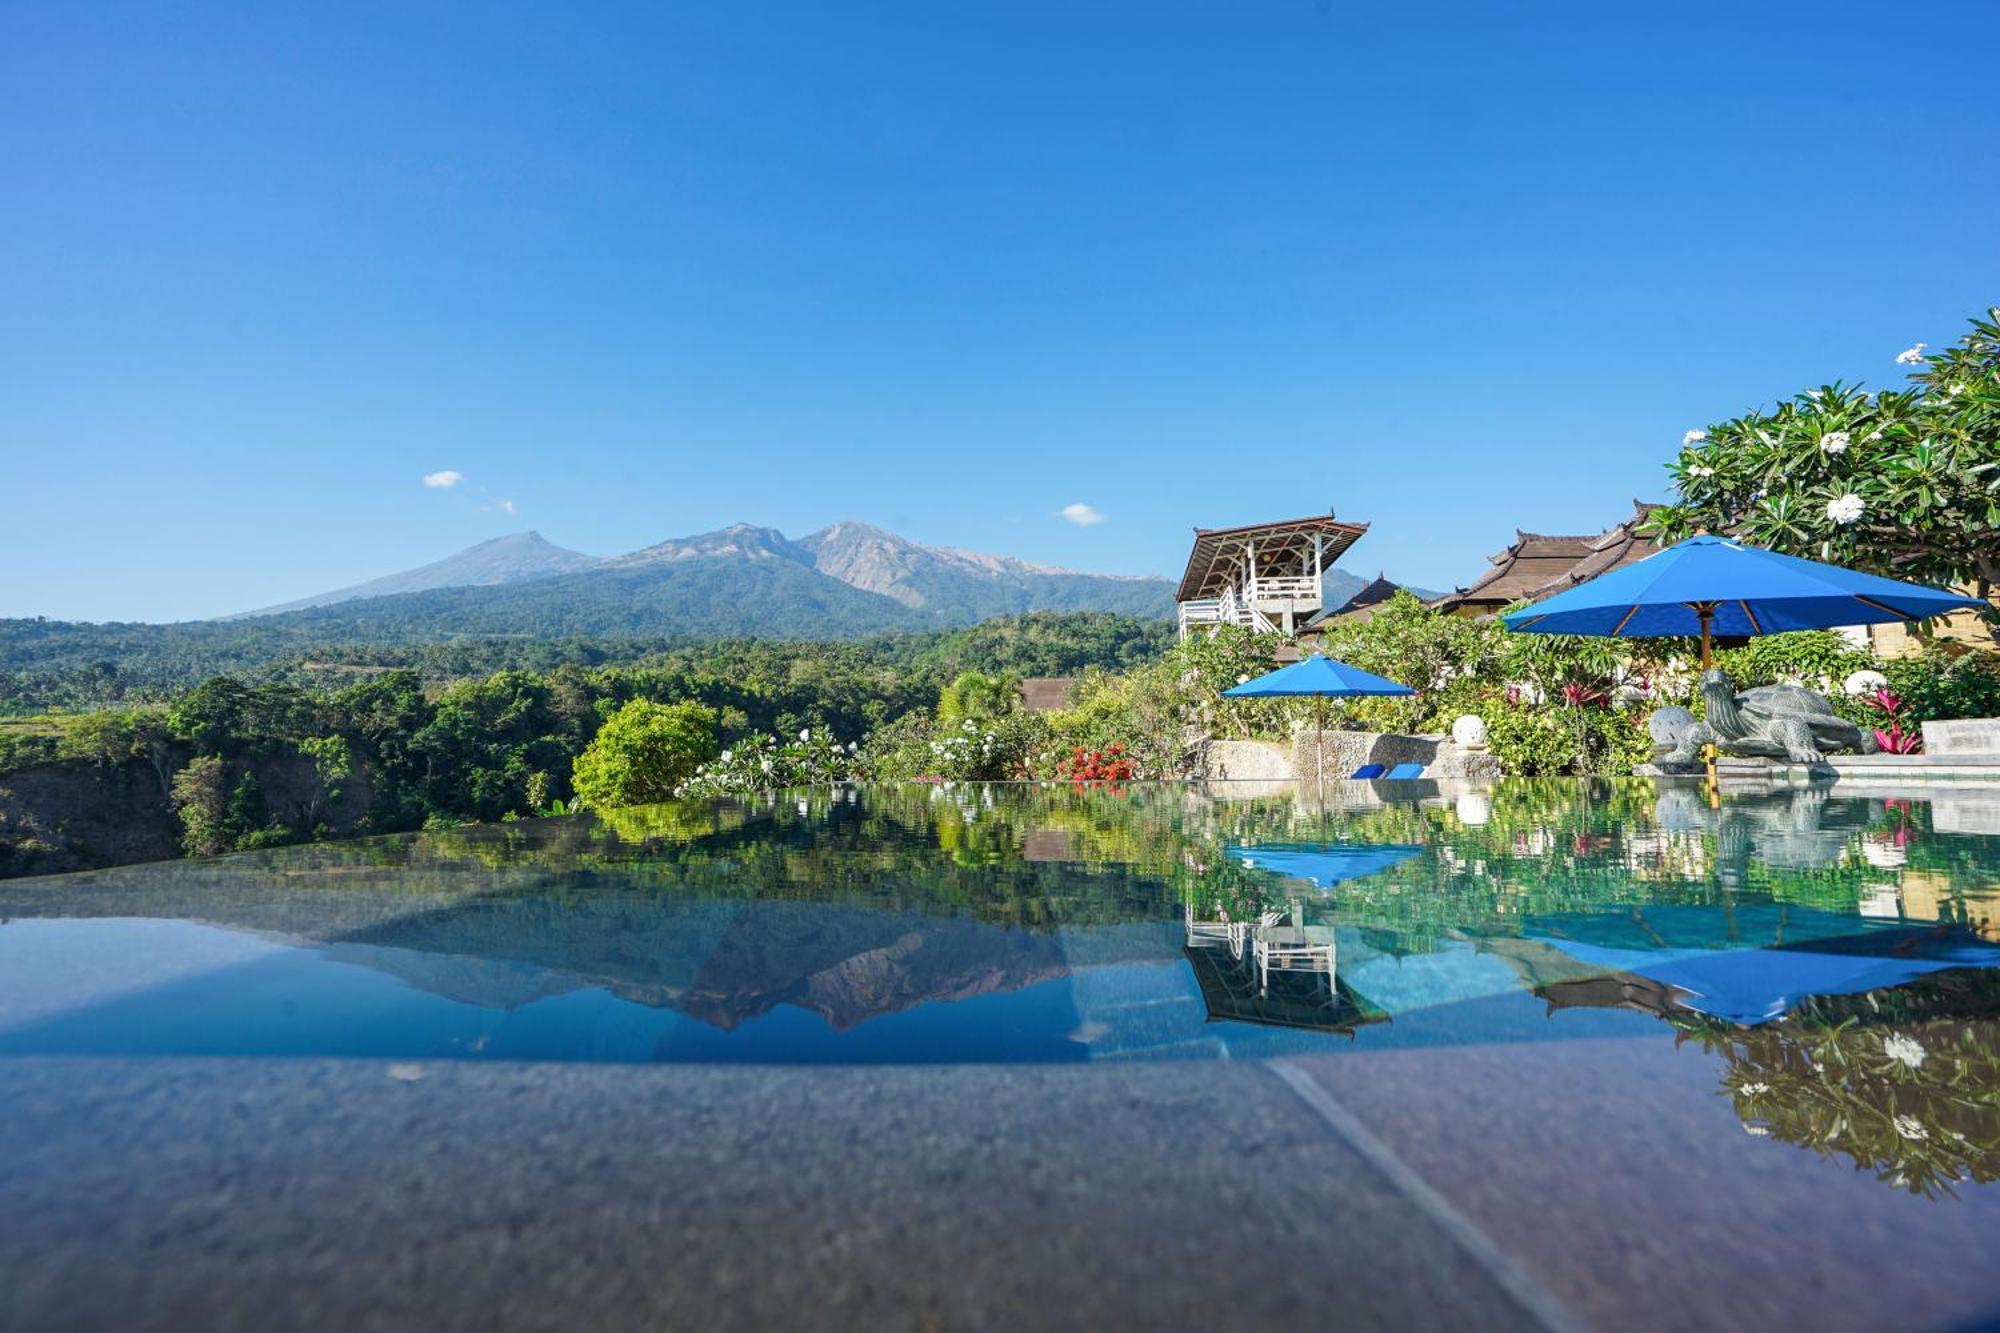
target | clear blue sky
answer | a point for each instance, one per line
(643, 270)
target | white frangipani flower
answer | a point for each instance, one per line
(1905, 1051)
(1693, 437)
(1835, 442)
(805, 733)
(1754, 1089)
(1700, 470)
(1911, 1128)
(1910, 356)
(1846, 509)
(1874, 435)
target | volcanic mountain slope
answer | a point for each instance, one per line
(515, 558)
(845, 580)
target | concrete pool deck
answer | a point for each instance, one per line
(1566, 1184)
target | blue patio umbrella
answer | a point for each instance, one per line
(1713, 585)
(1320, 678)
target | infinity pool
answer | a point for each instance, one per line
(1834, 955)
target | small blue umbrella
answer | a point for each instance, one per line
(1321, 678)
(1712, 585)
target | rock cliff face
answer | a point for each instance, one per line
(60, 817)
(55, 818)
(869, 558)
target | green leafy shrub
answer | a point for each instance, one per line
(1937, 686)
(644, 754)
(1529, 742)
(1817, 659)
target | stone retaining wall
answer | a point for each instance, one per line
(1345, 751)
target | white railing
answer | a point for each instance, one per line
(1239, 607)
(1207, 611)
(1303, 589)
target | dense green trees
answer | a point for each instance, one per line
(247, 762)
(644, 752)
(1905, 482)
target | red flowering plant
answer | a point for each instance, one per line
(1895, 740)
(1107, 765)
(1585, 696)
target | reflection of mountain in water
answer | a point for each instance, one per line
(851, 904)
(515, 934)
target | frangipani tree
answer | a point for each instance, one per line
(1903, 483)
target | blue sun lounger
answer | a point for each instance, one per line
(1365, 772)
(1404, 772)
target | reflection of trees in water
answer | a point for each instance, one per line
(615, 898)
(1904, 1083)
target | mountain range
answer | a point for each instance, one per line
(843, 580)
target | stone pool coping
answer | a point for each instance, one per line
(1512, 1187)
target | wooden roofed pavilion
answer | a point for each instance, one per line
(1266, 577)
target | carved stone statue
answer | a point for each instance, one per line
(1771, 721)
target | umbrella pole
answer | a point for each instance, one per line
(1706, 611)
(1319, 749)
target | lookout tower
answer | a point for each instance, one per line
(1266, 577)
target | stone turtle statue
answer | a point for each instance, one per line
(1771, 721)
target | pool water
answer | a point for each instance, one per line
(1838, 956)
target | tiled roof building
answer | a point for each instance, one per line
(1538, 566)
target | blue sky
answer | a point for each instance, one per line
(640, 271)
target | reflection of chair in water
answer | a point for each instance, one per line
(1207, 934)
(1236, 990)
(1276, 948)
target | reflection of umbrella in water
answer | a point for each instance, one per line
(1323, 865)
(1749, 987)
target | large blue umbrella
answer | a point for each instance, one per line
(1321, 678)
(1712, 585)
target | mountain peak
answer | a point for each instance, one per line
(738, 540)
(511, 558)
(714, 578)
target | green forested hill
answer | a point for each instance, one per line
(52, 664)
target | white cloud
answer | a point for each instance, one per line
(443, 480)
(1081, 514)
(507, 507)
